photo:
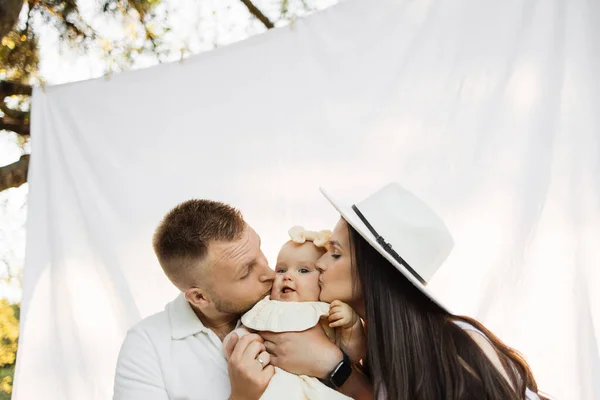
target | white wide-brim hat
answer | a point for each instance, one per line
(403, 229)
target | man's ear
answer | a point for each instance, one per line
(197, 297)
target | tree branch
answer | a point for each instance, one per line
(14, 120)
(9, 15)
(258, 14)
(16, 115)
(20, 128)
(15, 174)
(8, 88)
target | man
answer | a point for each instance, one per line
(214, 258)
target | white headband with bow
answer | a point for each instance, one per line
(300, 235)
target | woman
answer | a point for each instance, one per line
(380, 257)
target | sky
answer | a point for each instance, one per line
(196, 26)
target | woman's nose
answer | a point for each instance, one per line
(320, 265)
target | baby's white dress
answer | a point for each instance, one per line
(282, 316)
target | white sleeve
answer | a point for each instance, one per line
(138, 375)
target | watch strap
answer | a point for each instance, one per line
(340, 374)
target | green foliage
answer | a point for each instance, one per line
(6, 382)
(19, 54)
(9, 335)
(19, 58)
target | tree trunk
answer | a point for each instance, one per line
(9, 15)
(15, 174)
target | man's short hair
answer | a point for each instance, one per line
(181, 240)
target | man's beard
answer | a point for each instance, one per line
(228, 307)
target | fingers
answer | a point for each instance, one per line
(273, 340)
(272, 350)
(230, 345)
(336, 303)
(337, 309)
(268, 372)
(270, 346)
(274, 360)
(242, 345)
(265, 358)
(254, 337)
(253, 350)
(335, 316)
(337, 324)
(269, 336)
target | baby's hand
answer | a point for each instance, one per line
(350, 336)
(341, 315)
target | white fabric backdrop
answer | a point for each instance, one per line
(487, 109)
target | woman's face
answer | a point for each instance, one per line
(336, 269)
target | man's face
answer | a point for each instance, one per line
(239, 273)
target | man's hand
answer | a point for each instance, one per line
(341, 315)
(249, 378)
(303, 353)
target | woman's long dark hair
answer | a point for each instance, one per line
(416, 351)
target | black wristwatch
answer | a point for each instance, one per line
(340, 374)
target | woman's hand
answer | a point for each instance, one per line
(311, 353)
(303, 353)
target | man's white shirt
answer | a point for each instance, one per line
(172, 356)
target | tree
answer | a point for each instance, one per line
(19, 58)
(9, 335)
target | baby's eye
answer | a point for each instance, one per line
(336, 256)
(280, 270)
(304, 270)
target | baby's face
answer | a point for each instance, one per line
(296, 277)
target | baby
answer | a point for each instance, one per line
(294, 306)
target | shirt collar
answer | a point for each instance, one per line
(184, 321)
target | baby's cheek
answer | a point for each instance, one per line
(276, 289)
(315, 285)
